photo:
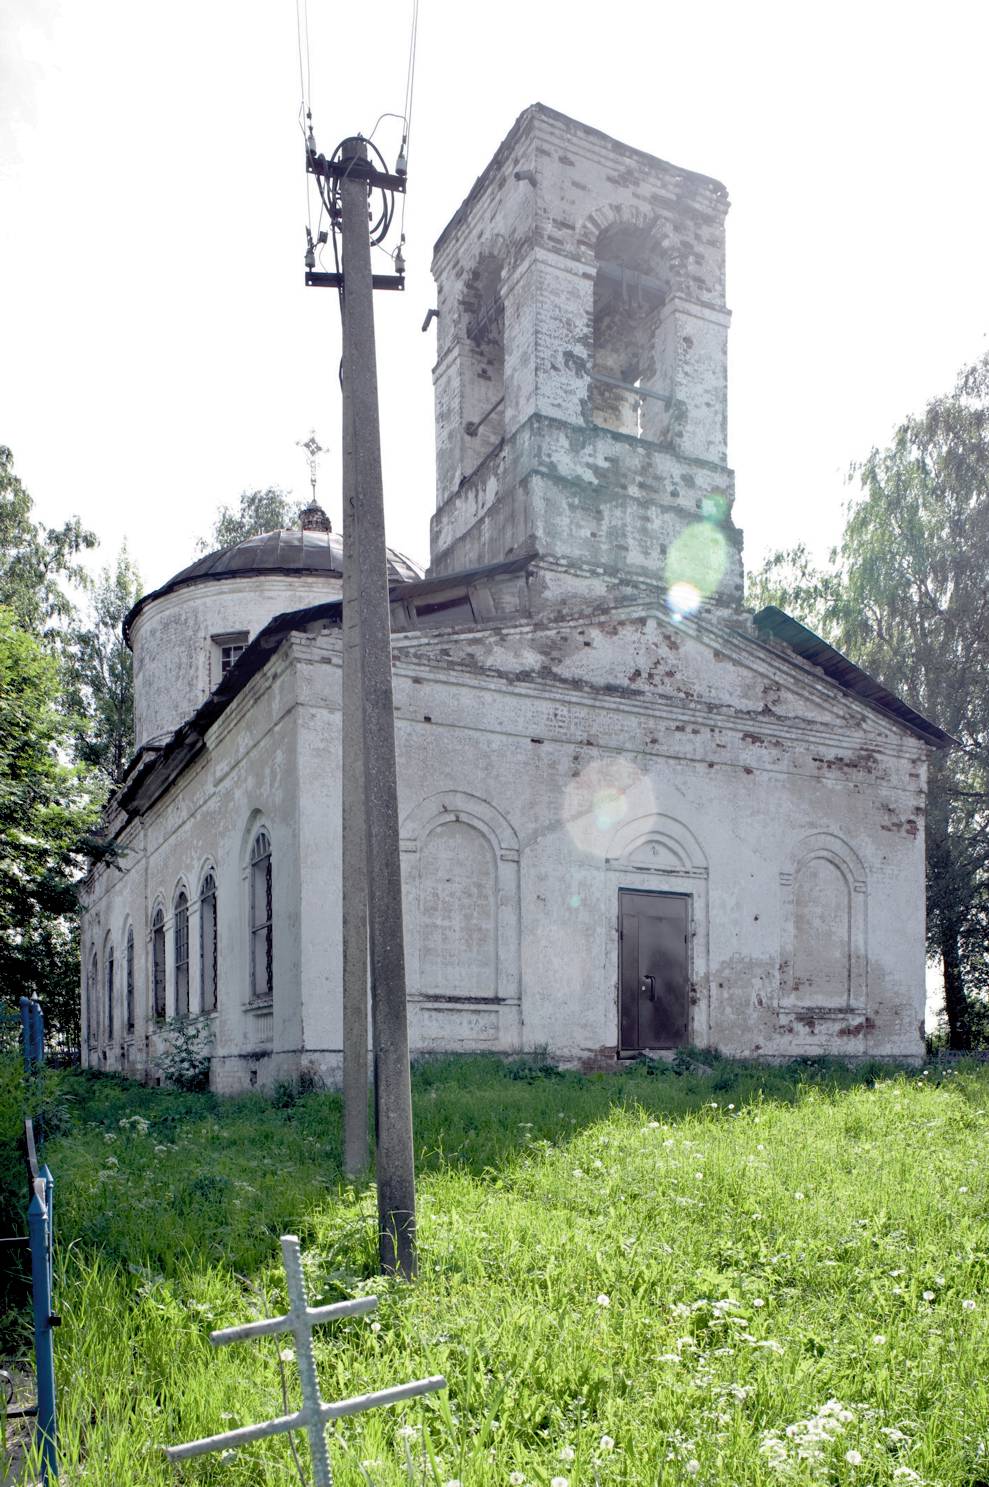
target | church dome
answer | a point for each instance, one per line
(309, 548)
(187, 634)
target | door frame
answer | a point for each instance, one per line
(682, 893)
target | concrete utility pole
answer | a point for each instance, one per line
(368, 594)
(354, 864)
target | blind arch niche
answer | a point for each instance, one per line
(824, 925)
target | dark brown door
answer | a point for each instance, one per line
(654, 961)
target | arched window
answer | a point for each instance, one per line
(261, 967)
(631, 383)
(181, 932)
(92, 1013)
(207, 942)
(109, 993)
(158, 962)
(129, 982)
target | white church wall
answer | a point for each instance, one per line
(177, 662)
(247, 779)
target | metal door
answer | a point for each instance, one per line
(654, 968)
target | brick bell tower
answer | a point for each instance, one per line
(580, 379)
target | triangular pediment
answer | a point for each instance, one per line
(705, 665)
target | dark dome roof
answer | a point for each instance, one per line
(291, 550)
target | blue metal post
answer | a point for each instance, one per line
(37, 1221)
(49, 1183)
(38, 1046)
(26, 1031)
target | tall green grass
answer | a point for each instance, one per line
(742, 1276)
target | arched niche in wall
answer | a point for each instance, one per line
(632, 368)
(461, 893)
(659, 854)
(824, 925)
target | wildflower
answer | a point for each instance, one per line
(453, 1482)
(604, 1300)
(928, 1295)
(854, 1458)
(406, 1432)
(692, 1466)
(606, 1443)
(968, 1306)
(226, 1457)
(567, 1453)
(963, 1190)
(287, 1355)
(758, 1301)
(879, 1339)
(559, 1482)
(653, 1125)
(516, 1479)
(799, 1197)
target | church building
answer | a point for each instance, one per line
(633, 815)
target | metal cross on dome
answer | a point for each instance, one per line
(315, 1414)
(313, 450)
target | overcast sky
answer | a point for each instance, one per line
(160, 352)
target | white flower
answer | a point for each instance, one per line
(606, 1443)
(516, 1479)
(968, 1306)
(699, 1176)
(963, 1190)
(854, 1458)
(453, 1482)
(375, 1326)
(559, 1482)
(653, 1125)
(928, 1295)
(758, 1301)
(567, 1453)
(692, 1466)
(226, 1457)
(799, 1197)
(604, 1300)
(287, 1355)
(879, 1339)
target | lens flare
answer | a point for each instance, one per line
(683, 598)
(697, 559)
(600, 798)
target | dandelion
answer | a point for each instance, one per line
(799, 1197)
(453, 1482)
(879, 1339)
(928, 1295)
(604, 1300)
(692, 1466)
(516, 1479)
(758, 1301)
(375, 1326)
(287, 1355)
(854, 1458)
(653, 1125)
(968, 1306)
(567, 1453)
(560, 1482)
(606, 1443)
(963, 1190)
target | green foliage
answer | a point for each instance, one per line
(905, 596)
(36, 561)
(257, 512)
(185, 1057)
(46, 808)
(100, 673)
(621, 1276)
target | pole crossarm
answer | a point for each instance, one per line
(316, 1412)
(353, 169)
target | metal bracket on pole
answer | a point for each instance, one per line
(353, 169)
(316, 280)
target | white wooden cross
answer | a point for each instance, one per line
(314, 1415)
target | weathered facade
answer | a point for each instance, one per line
(633, 816)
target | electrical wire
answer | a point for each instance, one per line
(410, 79)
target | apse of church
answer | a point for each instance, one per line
(633, 815)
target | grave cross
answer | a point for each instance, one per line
(314, 1415)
